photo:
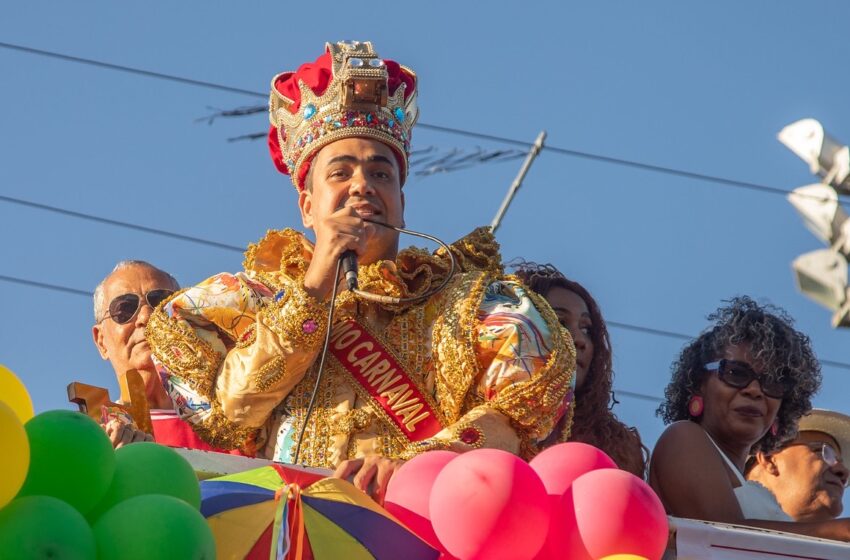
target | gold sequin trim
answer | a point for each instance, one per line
(297, 318)
(351, 421)
(283, 252)
(270, 373)
(567, 430)
(454, 342)
(248, 337)
(462, 428)
(419, 447)
(221, 433)
(176, 345)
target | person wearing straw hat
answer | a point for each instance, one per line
(426, 351)
(808, 474)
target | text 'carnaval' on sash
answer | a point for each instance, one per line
(375, 369)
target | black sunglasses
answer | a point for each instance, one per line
(740, 374)
(123, 308)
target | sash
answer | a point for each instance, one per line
(380, 376)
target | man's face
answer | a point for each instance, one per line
(125, 345)
(808, 488)
(362, 174)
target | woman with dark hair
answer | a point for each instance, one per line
(593, 421)
(740, 387)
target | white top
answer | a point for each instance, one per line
(756, 501)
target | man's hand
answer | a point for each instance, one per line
(375, 468)
(339, 232)
(121, 434)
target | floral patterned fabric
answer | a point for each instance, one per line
(237, 354)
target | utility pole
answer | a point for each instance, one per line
(529, 159)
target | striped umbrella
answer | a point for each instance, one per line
(280, 513)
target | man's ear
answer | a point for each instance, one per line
(97, 335)
(305, 204)
(767, 462)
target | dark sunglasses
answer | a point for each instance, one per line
(739, 375)
(123, 308)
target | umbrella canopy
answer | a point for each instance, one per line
(276, 512)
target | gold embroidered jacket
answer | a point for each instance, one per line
(487, 358)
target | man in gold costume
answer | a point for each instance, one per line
(431, 360)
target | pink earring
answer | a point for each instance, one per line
(695, 406)
(774, 429)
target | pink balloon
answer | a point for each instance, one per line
(617, 513)
(559, 465)
(489, 504)
(409, 490)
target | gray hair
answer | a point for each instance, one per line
(98, 292)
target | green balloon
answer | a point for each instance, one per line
(154, 526)
(71, 458)
(42, 527)
(149, 468)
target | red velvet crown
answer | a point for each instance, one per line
(347, 92)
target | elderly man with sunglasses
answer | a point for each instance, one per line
(808, 474)
(123, 303)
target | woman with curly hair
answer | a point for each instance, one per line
(593, 421)
(740, 387)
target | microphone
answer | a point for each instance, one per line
(349, 266)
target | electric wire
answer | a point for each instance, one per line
(118, 223)
(616, 324)
(438, 128)
(321, 371)
(396, 300)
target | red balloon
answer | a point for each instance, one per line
(559, 465)
(489, 504)
(409, 490)
(617, 513)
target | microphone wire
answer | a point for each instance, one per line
(394, 300)
(371, 297)
(321, 366)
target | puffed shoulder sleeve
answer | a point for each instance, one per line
(232, 348)
(526, 359)
(525, 364)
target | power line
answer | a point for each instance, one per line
(146, 229)
(54, 287)
(76, 292)
(449, 130)
(129, 70)
(118, 223)
(617, 324)
(648, 330)
(639, 396)
(683, 336)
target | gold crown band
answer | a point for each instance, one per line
(356, 103)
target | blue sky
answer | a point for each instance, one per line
(694, 86)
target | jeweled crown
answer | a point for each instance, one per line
(357, 102)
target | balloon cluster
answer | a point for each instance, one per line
(65, 494)
(570, 502)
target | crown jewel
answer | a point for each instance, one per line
(356, 102)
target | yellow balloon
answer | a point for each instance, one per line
(15, 448)
(624, 557)
(14, 394)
